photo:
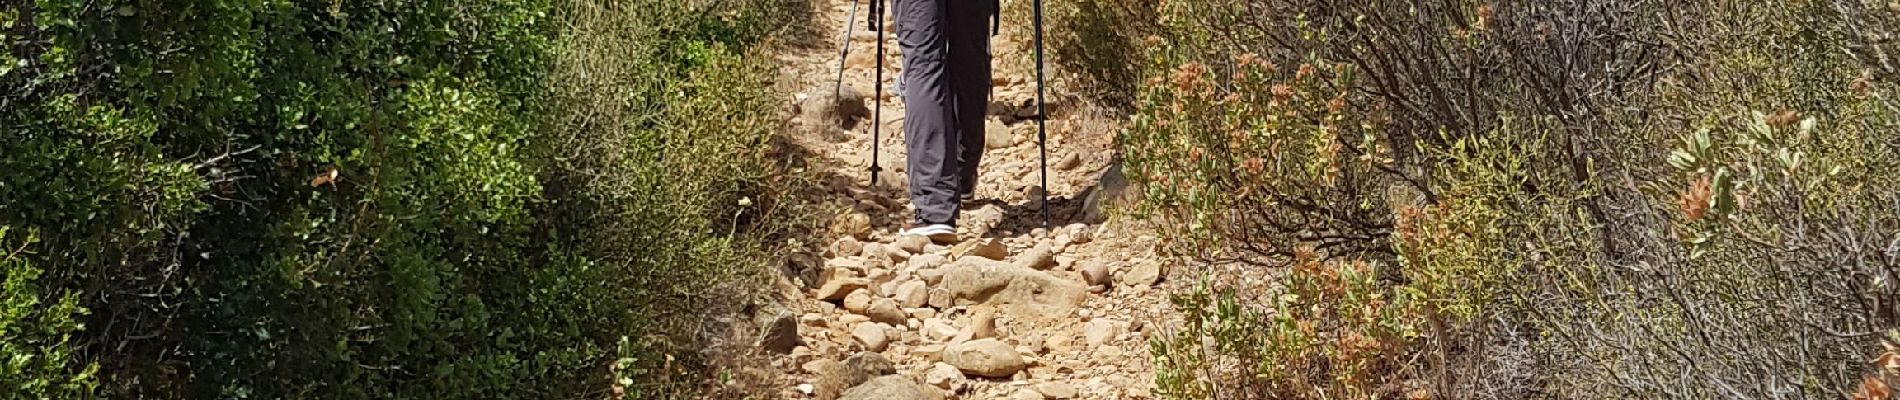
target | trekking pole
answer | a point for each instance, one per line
(876, 20)
(845, 52)
(1042, 117)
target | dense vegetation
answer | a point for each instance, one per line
(1516, 199)
(377, 199)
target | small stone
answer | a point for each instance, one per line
(812, 319)
(818, 366)
(1095, 273)
(1109, 352)
(1079, 233)
(930, 352)
(941, 299)
(927, 261)
(854, 224)
(1142, 274)
(911, 244)
(896, 255)
(857, 301)
(1032, 192)
(1031, 344)
(888, 288)
(1025, 394)
(938, 330)
(805, 388)
(1058, 343)
(892, 387)
(847, 247)
(1069, 162)
(864, 366)
(913, 294)
(840, 266)
(781, 334)
(921, 312)
(943, 375)
(837, 289)
(871, 335)
(879, 276)
(852, 319)
(885, 311)
(1100, 330)
(987, 248)
(1065, 263)
(1056, 390)
(930, 276)
(982, 326)
(1039, 257)
(832, 108)
(987, 358)
(996, 135)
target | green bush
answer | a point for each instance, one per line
(1520, 199)
(378, 199)
(36, 336)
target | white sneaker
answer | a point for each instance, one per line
(938, 233)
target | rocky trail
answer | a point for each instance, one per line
(1014, 311)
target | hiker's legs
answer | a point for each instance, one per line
(929, 134)
(969, 42)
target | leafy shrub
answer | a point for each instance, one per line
(373, 199)
(35, 336)
(1520, 199)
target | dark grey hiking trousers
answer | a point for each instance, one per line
(946, 91)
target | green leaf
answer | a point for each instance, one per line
(1758, 125)
(1681, 159)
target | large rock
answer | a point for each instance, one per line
(1015, 289)
(891, 387)
(781, 334)
(987, 358)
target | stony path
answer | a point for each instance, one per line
(1012, 312)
